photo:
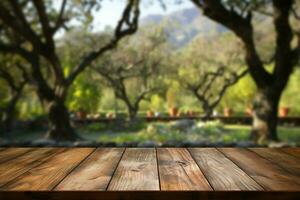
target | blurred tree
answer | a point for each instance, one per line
(28, 29)
(132, 70)
(240, 96)
(16, 78)
(207, 72)
(84, 95)
(237, 16)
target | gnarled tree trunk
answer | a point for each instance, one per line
(265, 110)
(270, 84)
(59, 122)
(6, 123)
(208, 110)
(132, 112)
(8, 112)
(7, 120)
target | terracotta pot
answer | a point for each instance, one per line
(228, 112)
(249, 111)
(150, 114)
(190, 113)
(284, 111)
(81, 115)
(110, 115)
(173, 112)
(178, 114)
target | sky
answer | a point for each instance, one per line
(111, 11)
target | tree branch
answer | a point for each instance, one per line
(242, 27)
(60, 19)
(132, 24)
(233, 80)
(20, 25)
(47, 30)
(283, 52)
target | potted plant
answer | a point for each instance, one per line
(284, 111)
(190, 113)
(173, 111)
(81, 114)
(227, 112)
(249, 111)
(173, 102)
(227, 104)
(110, 115)
(150, 114)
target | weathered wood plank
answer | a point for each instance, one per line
(11, 153)
(292, 151)
(221, 172)
(179, 171)
(137, 170)
(95, 172)
(268, 175)
(47, 175)
(16, 167)
(286, 161)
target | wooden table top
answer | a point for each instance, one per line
(119, 169)
(149, 169)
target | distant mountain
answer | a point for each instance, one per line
(184, 25)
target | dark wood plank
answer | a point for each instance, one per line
(16, 167)
(137, 170)
(268, 175)
(150, 195)
(286, 161)
(11, 153)
(47, 175)
(292, 151)
(221, 172)
(95, 172)
(179, 171)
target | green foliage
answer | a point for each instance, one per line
(291, 95)
(157, 103)
(84, 94)
(173, 94)
(240, 95)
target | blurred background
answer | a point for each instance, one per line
(149, 73)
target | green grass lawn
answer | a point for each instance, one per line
(228, 134)
(162, 133)
(286, 134)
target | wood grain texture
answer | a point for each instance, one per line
(47, 175)
(286, 161)
(95, 172)
(292, 151)
(178, 171)
(11, 153)
(137, 170)
(14, 168)
(268, 175)
(221, 172)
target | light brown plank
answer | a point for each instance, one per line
(221, 172)
(11, 153)
(286, 161)
(292, 151)
(47, 175)
(14, 168)
(268, 175)
(178, 170)
(95, 172)
(137, 170)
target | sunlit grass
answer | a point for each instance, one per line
(163, 133)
